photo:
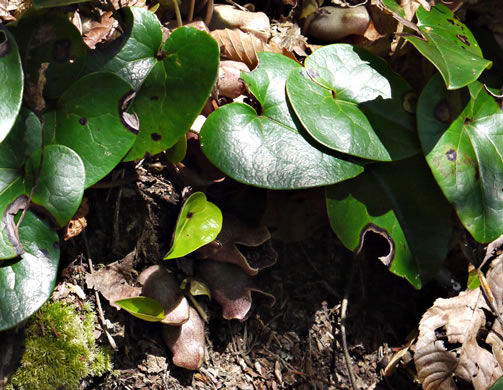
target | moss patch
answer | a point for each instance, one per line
(60, 350)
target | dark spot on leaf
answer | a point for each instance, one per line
(442, 112)
(190, 214)
(380, 241)
(462, 47)
(61, 50)
(45, 252)
(334, 94)
(5, 45)
(463, 39)
(409, 102)
(451, 155)
(467, 121)
(129, 120)
(477, 174)
(156, 137)
(451, 21)
(83, 121)
(55, 245)
(154, 97)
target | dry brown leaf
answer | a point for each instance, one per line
(112, 281)
(228, 17)
(98, 31)
(239, 46)
(456, 340)
(78, 223)
(331, 24)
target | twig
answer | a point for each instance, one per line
(344, 307)
(110, 339)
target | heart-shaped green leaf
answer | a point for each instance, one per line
(52, 49)
(145, 308)
(61, 181)
(27, 282)
(465, 154)
(11, 81)
(175, 91)
(449, 45)
(92, 120)
(133, 54)
(198, 224)
(270, 150)
(325, 96)
(401, 203)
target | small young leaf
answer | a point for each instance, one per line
(145, 308)
(11, 81)
(198, 224)
(449, 45)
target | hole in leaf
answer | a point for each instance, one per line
(83, 121)
(154, 97)
(156, 137)
(463, 39)
(378, 243)
(467, 121)
(190, 214)
(129, 120)
(9, 222)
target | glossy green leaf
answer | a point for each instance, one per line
(175, 91)
(401, 203)
(325, 96)
(198, 224)
(449, 45)
(11, 82)
(270, 150)
(393, 120)
(498, 385)
(465, 154)
(61, 181)
(101, 132)
(145, 308)
(55, 42)
(55, 3)
(27, 282)
(394, 7)
(177, 152)
(133, 54)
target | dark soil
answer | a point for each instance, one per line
(297, 342)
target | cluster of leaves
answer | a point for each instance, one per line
(344, 120)
(85, 112)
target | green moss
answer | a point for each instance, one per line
(60, 350)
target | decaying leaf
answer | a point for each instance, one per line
(229, 81)
(460, 339)
(160, 284)
(229, 17)
(234, 232)
(231, 288)
(78, 223)
(186, 342)
(98, 31)
(287, 35)
(112, 281)
(239, 46)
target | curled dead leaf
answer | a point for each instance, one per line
(231, 288)
(112, 281)
(229, 17)
(186, 342)
(160, 284)
(240, 46)
(233, 232)
(229, 82)
(78, 223)
(460, 338)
